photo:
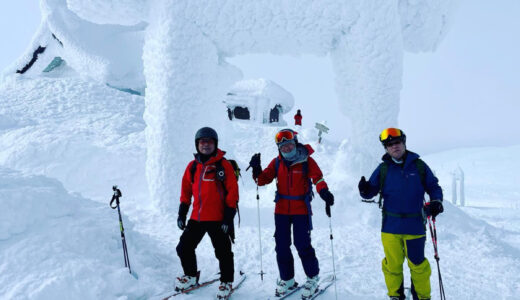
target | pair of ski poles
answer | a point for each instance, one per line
(327, 208)
(115, 197)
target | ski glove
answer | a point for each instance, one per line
(181, 219)
(434, 208)
(227, 223)
(327, 196)
(256, 165)
(364, 186)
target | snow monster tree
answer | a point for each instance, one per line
(184, 45)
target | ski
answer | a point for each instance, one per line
(323, 285)
(235, 287)
(186, 291)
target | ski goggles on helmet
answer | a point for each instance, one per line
(391, 134)
(287, 135)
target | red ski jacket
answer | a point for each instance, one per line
(207, 191)
(293, 182)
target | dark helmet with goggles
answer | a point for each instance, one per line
(286, 135)
(391, 135)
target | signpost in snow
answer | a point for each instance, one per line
(321, 129)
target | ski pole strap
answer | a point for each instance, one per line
(387, 213)
(114, 198)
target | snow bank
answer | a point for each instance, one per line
(54, 245)
(85, 134)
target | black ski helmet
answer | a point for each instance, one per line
(206, 132)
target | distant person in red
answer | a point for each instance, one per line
(298, 118)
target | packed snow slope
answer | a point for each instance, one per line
(65, 141)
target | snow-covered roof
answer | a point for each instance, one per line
(245, 90)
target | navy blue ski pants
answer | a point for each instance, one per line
(302, 242)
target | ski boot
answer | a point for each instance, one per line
(224, 290)
(185, 282)
(310, 287)
(283, 286)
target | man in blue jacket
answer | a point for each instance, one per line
(402, 179)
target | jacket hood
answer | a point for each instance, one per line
(304, 151)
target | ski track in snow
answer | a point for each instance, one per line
(64, 142)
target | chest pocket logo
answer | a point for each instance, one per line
(210, 173)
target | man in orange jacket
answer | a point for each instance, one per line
(210, 179)
(295, 171)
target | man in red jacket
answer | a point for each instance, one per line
(210, 179)
(295, 171)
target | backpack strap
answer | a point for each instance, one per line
(421, 167)
(221, 173)
(221, 176)
(307, 198)
(276, 166)
(193, 169)
(383, 170)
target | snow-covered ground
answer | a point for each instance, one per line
(64, 141)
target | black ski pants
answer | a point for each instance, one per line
(191, 238)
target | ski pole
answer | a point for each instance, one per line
(115, 197)
(259, 232)
(433, 233)
(332, 250)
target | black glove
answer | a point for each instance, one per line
(227, 222)
(256, 165)
(364, 186)
(181, 219)
(327, 210)
(327, 196)
(434, 208)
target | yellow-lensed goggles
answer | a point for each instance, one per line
(390, 132)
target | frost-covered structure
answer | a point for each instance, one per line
(106, 53)
(185, 43)
(260, 97)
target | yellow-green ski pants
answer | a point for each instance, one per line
(397, 247)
